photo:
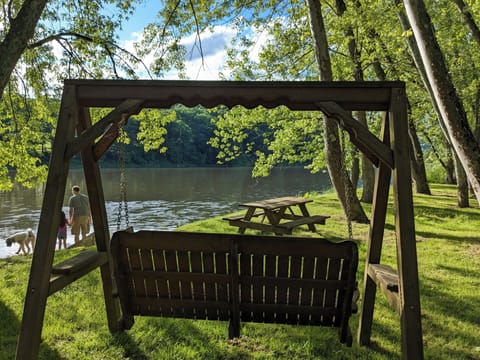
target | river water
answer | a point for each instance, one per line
(163, 199)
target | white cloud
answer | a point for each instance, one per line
(212, 48)
(207, 63)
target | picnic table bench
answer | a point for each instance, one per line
(235, 278)
(273, 213)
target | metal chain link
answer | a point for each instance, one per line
(348, 193)
(122, 203)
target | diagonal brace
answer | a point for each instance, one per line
(126, 108)
(368, 143)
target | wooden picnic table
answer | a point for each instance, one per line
(270, 215)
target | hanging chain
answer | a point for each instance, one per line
(348, 193)
(122, 203)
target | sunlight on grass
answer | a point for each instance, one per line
(448, 246)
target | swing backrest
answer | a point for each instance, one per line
(305, 281)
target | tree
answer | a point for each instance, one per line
(445, 94)
(335, 159)
(354, 52)
(42, 43)
(22, 28)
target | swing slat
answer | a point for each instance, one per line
(233, 277)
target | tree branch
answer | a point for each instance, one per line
(105, 44)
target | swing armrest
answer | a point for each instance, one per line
(74, 268)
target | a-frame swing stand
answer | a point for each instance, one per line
(76, 134)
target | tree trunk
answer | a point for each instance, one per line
(335, 162)
(450, 177)
(419, 174)
(22, 28)
(355, 173)
(476, 129)
(463, 141)
(368, 175)
(462, 184)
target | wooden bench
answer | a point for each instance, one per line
(298, 220)
(235, 278)
(242, 216)
(282, 228)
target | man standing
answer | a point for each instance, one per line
(79, 213)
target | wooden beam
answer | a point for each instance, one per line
(409, 292)
(39, 282)
(368, 143)
(108, 138)
(89, 135)
(296, 95)
(96, 196)
(375, 241)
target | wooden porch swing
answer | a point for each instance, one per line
(76, 134)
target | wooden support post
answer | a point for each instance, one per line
(375, 241)
(38, 284)
(409, 292)
(100, 223)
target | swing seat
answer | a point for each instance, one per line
(235, 278)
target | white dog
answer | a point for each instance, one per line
(23, 238)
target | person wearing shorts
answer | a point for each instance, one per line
(79, 213)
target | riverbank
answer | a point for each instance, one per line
(163, 199)
(449, 266)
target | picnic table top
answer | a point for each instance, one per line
(271, 204)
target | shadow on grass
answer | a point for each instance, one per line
(157, 337)
(198, 335)
(449, 315)
(9, 330)
(130, 347)
(443, 236)
(464, 309)
(434, 214)
(164, 338)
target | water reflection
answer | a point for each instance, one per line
(163, 199)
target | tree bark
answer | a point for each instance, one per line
(21, 31)
(368, 175)
(335, 162)
(419, 173)
(476, 129)
(462, 184)
(355, 173)
(450, 171)
(464, 143)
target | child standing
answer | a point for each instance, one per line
(62, 231)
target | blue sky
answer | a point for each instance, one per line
(145, 13)
(213, 44)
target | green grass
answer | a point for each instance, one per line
(75, 325)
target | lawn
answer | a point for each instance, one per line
(448, 246)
